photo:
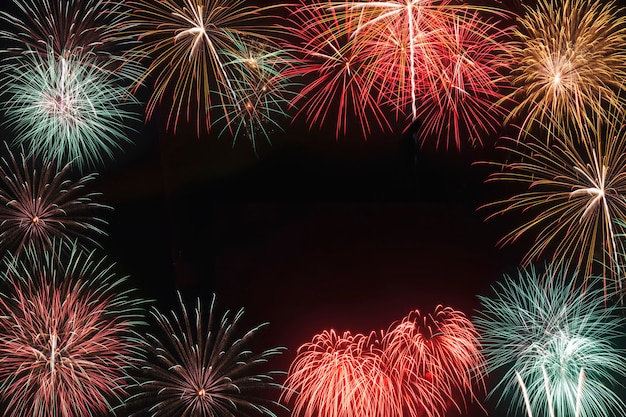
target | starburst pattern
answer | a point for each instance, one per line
(41, 206)
(261, 90)
(555, 345)
(67, 339)
(576, 184)
(566, 55)
(186, 44)
(204, 369)
(64, 108)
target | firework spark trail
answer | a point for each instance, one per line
(259, 90)
(565, 57)
(338, 78)
(67, 339)
(542, 332)
(64, 108)
(203, 369)
(576, 188)
(41, 206)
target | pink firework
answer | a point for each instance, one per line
(66, 336)
(436, 358)
(464, 96)
(341, 376)
(339, 79)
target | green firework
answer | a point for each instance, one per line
(65, 107)
(554, 345)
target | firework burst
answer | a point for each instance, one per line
(463, 98)
(341, 375)
(339, 80)
(40, 206)
(567, 55)
(71, 27)
(555, 345)
(576, 188)
(186, 45)
(260, 93)
(419, 367)
(203, 369)
(435, 357)
(66, 335)
(64, 108)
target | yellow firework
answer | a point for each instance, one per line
(567, 54)
(187, 43)
(574, 202)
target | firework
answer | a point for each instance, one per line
(414, 24)
(463, 99)
(576, 187)
(38, 207)
(63, 108)
(339, 376)
(435, 357)
(66, 335)
(339, 80)
(418, 367)
(187, 46)
(71, 27)
(260, 91)
(204, 370)
(567, 55)
(554, 344)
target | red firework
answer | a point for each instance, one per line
(464, 96)
(341, 376)
(66, 336)
(436, 359)
(341, 77)
(421, 367)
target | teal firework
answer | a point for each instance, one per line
(259, 92)
(553, 345)
(66, 108)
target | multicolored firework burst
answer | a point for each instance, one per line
(41, 206)
(187, 45)
(204, 370)
(64, 108)
(260, 91)
(576, 188)
(67, 338)
(555, 344)
(436, 358)
(567, 54)
(421, 366)
(338, 78)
